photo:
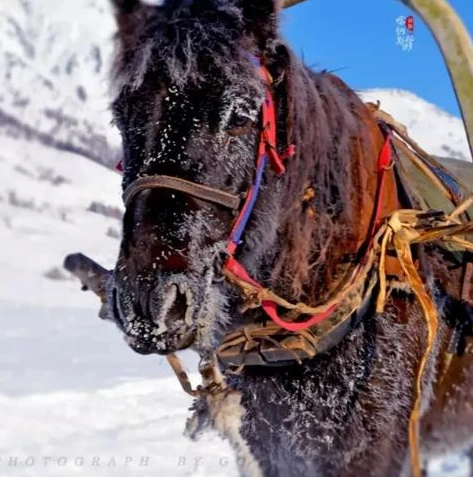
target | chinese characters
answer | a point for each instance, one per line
(405, 32)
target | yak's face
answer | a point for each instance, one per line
(188, 107)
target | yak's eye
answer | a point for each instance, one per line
(239, 125)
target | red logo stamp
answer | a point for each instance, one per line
(410, 23)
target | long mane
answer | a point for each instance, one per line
(333, 135)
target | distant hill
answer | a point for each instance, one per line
(54, 60)
(436, 131)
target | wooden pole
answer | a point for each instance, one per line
(457, 50)
(291, 3)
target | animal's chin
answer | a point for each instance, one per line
(165, 325)
(162, 345)
(161, 334)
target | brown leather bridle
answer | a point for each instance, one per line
(266, 154)
(209, 194)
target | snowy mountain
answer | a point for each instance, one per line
(71, 390)
(53, 66)
(436, 131)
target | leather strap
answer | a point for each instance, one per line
(208, 194)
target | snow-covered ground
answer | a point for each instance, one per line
(74, 399)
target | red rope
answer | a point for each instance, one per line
(269, 306)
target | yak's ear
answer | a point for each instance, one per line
(261, 18)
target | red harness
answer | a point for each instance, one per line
(267, 150)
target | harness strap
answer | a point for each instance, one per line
(266, 152)
(384, 163)
(269, 301)
(199, 191)
(401, 233)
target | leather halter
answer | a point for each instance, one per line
(266, 153)
(208, 194)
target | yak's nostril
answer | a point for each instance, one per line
(177, 310)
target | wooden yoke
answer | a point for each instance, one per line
(457, 50)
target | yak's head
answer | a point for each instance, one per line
(188, 101)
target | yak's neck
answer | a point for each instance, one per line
(328, 197)
(327, 416)
(295, 416)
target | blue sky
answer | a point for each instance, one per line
(357, 40)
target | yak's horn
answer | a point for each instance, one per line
(457, 51)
